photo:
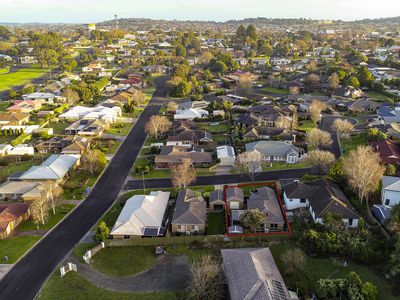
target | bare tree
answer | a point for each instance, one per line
(322, 159)
(158, 125)
(294, 123)
(364, 170)
(283, 122)
(343, 127)
(207, 279)
(294, 90)
(53, 191)
(138, 97)
(312, 81)
(40, 210)
(93, 160)
(71, 95)
(171, 106)
(315, 110)
(246, 82)
(311, 66)
(294, 261)
(249, 163)
(205, 57)
(183, 174)
(318, 138)
(333, 81)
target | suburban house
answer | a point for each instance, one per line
(11, 215)
(390, 193)
(388, 115)
(235, 198)
(187, 134)
(67, 145)
(13, 119)
(249, 120)
(156, 69)
(382, 212)
(266, 201)
(142, 215)
(92, 113)
(388, 150)
(216, 201)
(252, 273)
(171, 155)
(226, 155)
(263, 132)
(19, 190)
(24, 106)
(88, 128)
(56, 167)
(190, 215)
(277, 151)
(4, 148)
(21, 150)
(44, 97)
(190, 114)
(320, 197)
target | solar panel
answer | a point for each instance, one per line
(150, 231)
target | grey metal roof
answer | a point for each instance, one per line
(252, 274)
(272, 148)
(189, 209)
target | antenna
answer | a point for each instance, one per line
(116, 21)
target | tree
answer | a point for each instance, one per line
(93, 161)
(183, 89)
(365, 77)
(28, 89)
(102, 232)
(353, 81)
(294, 90)
(40, 209)
(252, 219)
(172, 106)
(158, 125)
(71, 95)
(334, 81)
(318, 138)
(251, 32)
(320, 158)
(364, 170)
(208, 76)
(138, 97)
(311, 66)
(390, 170)
(315, 110)
(180, 51)
(283, 122)
(53, 191)
(205, 57)
(207, 279)
(294, 261)
(249, 163)
(183, 174)
(312, 81)
(246, 82)
(343, 127)
(220, 67)
(375, 135)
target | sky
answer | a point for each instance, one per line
(91, 11)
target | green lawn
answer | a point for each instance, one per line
(283, 166)
(222, 127)
(77, 183)
(167, 173)
(379, 97)
(20, 77)
(216, 223)
(273, 90)
(4, 70)
(75, 287)
(353, 142)
(58, 127)
(112, 214)
(61, 212)
(6, 171)
(306, 125)
(317, 268)
(15, 247)
(124, 261)
(4, 105)
(120, 128)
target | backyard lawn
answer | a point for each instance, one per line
(4, 105)
(20, 77)
(353, 142)
(379, 97)
(273, 90)
(124, 261)
(75, 287)
(61, 212)
(221, 127)
(306, 125)
(6, 171)
(16, 246)
(58, 127)
(216, 223)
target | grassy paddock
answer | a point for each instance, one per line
(20, 77)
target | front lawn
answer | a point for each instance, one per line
(124, 261)
(379, 97)
(352, 143)
(73, 287)
(216, 223)
(273, 90)
(61, 212)
(4, 70)
(77, 183)
(120, 128)
(20, 77)
(15, 247)
(283, 166)
(306, 125)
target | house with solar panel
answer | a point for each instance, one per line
(252, 273)
(142, 216)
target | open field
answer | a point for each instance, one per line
(20, 77)
(273, 90)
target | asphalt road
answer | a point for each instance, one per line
(27, 277)
(223, 179)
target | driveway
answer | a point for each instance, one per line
(43, 258)
(171, 273)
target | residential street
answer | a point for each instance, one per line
(222, 179)
(27, 277)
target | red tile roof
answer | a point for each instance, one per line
(388, 150)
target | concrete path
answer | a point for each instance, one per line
(73, 202)
(30, 232)
(171, 273)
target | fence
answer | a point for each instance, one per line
(68, 267)
(90, 253)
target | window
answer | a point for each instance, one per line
(387, 201)
(303, 200)
(350, 222)
(273, 226)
